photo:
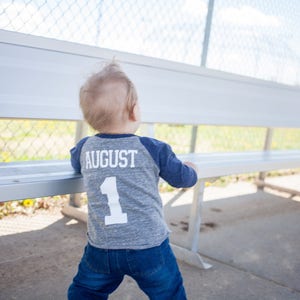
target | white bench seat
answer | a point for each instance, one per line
(221, 164)
(35, 179)
(48, 178)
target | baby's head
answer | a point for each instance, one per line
(109, 102)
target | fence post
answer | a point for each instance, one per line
(267, 146)
(81, 132)
(207, 31)
(193, 139)
(209, 16)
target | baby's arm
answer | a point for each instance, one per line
(75, 155)
(171, 169)
(175, 172)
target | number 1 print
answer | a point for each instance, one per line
(109, 187)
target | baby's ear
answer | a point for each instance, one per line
(134, 114)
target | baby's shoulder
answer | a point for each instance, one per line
(156, 148)
(152, 142)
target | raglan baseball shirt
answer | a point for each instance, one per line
(121, 174)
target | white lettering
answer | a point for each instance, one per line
(95, 159)
(88, 164)
(110, 158)
(123, 161)
(132, 152)
(103, 161)
(109, 187)
(113, 154)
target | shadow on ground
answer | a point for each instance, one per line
(251, 240)
(258, 233)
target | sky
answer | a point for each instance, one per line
(254, 38)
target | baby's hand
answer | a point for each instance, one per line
(192, 165)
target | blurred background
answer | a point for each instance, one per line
(260, 39)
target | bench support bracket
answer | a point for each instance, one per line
(195, 224)
(267, 147)
(189, 257)
(81, 132)
(263, 184)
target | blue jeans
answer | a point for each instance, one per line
(101, 271)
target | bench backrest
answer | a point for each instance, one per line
(40, 78)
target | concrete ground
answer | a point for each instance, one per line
(250, 237)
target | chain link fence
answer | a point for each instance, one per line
(35, 140)
(168, 29)
(254, 38)
(225, 138)
(39, 140)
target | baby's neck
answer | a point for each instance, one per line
(116, 132)
(126, 129)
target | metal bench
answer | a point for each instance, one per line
(40, 79)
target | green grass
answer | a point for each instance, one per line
(37, 140)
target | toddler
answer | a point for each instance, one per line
(127, 233)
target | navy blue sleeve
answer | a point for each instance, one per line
(172, 170)
(75, 155)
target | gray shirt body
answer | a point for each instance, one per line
(124, 206)
(121, 174)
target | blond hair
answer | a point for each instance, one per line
(108, 97)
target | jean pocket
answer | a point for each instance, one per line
(97, 260)
(145, 262)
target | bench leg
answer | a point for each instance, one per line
(191, 255)
(195, 223)
(74, 213)
(75, 200)
(262, 184)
